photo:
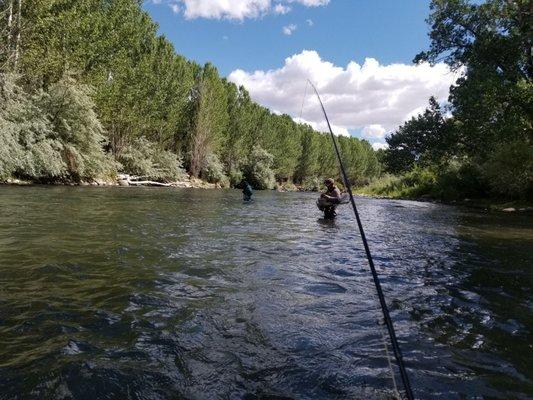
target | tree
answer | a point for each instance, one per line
(425, 139)
(209, 118)
(242, 120)
(307, 162)
(144, 105)
(492, 42)
(258, 170)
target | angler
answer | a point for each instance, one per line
(385, 310)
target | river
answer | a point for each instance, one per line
(148, 293)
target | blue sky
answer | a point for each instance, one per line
(343, 30)
(358, 52)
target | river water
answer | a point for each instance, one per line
(146, 293)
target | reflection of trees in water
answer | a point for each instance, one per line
(480, 307)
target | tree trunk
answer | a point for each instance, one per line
(9, 23)
(19, 29)
(8, 34)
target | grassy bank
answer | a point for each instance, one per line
(425, 185)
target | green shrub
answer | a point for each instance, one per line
(420, 181)
(28, 146)
(258, 170)
(235, 177)
(509, 169)
(75, 124)
(385, 185)
(287, 186)
(312, 184)
(51, 135)
(213, 171)
(460, 180)
(145, 159)
(452, 182)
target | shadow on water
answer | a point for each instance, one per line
(160, 293)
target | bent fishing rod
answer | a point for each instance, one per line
(377, 284)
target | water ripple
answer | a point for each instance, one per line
(159, 294)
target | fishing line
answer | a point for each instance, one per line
(386, 316)
(394, 384)
(303, 100)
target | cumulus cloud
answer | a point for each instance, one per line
(281, 9)
(310, 3)
(373, 131)
(322, 126)
(235, 9)
(371, 98)
(218, 9)
(175, 8)
(289, 29)
(379, 146)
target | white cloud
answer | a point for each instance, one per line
(289, 29)
(322, 126)
(372, 96)
(378, 146)
(176, 9)
(234, 9)
(219, 9)
(281, 9)
(373, 131)
(311, 3)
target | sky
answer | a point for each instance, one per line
(357, 52)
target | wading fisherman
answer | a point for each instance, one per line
(332, 196)
(246, 191)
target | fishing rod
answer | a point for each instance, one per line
(377, 284)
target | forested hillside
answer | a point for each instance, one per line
(88, 89)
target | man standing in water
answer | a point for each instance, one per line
(246, 191)
(332, 196)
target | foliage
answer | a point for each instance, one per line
(484, 147)
(427, 139)
(213, 171)
(143, 158)
(493, 101)
(456, 181)
(76, 125)
(101, 87)
(258, 170)
(209, 118)
(509, 169)
(235, 177)
(24, 135)
(51, 135)
(312, 184)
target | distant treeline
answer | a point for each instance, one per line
(88, 89)
(480, 145)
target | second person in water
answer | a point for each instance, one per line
(247, 191)
(332, 197)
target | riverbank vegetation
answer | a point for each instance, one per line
(479, 145)
(88, 89)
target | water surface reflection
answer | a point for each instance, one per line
(158, 293)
